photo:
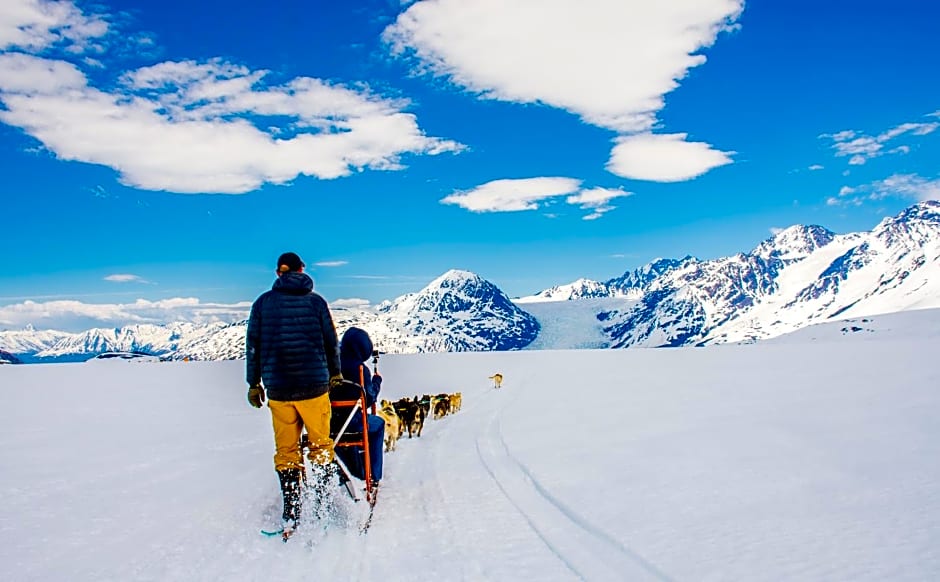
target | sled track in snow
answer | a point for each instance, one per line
(586, 550)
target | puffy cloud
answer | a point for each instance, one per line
(71, 315)
(532, 193)
(609, 61)
(663, 157)
(512, 195)
(35, 25)
(192, 127)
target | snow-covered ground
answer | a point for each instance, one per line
(813, 457)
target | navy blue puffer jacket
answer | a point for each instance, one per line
(291, 343)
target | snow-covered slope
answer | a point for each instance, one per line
(913, 325)
(797, 460)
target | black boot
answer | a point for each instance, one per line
(290, 489)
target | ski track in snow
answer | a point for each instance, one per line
(585, 549)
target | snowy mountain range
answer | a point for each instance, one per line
(800, 276)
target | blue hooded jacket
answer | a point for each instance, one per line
(355, 349)
(291, 342)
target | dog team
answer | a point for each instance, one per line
(408, 414)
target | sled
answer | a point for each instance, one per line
(347, 401)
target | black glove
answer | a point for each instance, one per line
(256, 396)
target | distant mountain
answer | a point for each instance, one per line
(800, 276)
(26, 342)
(460, 311)
(8, 358)
(149, 339)
(580, 289)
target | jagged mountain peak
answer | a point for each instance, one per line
(928, 210)
(923, 213)
(638, 281)
(794, 243)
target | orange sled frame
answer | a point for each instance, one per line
(348, 400)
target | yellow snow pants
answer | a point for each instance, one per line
(289, 418)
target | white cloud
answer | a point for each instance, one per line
(35, 25)
(512, 195)
(191, 127)
(350, 303)
(609, 61)
(860, 148)
(907, 186)
(75, 315)
(331, 263)
(816, 167)
(597, 200)
(663, 157)
(125, 278)
(531, 194)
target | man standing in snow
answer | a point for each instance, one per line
(292, 354)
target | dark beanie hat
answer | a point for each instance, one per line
(289, 262)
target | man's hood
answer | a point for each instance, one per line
(293, 283)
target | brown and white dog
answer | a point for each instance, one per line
(392, 424)
(497, 379)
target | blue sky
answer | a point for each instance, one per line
(158, 156)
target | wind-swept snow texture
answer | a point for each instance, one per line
(813, 457)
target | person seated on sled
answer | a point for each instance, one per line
(354, 351)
